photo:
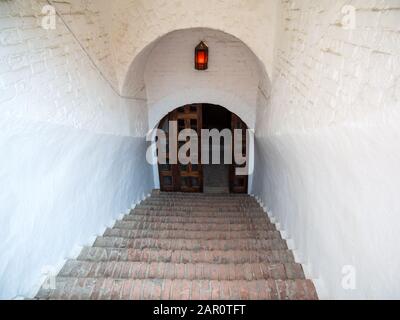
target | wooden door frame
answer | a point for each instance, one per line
(244, 188)
(187, 116)
(166, 173)
(175, 173)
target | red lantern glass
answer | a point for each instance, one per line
(201, 56)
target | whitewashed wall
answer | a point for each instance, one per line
(231, 80)
(72, 151)
(117, 33)
(90, 21)
(327, 149)
(328, 152)
(138, 24)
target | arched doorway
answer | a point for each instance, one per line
(208, 176)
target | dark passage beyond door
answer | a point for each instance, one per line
(216, 176)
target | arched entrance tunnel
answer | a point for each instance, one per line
(213, 167)
(81, 86)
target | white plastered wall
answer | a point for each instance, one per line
(326, 136)
(327, 145)
(231, 80)
(139, 24)
(72, 151)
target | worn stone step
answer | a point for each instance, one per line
(194, 226)
(192, 207)
(186, 246)
(199, 271)
(199, 220)
(203, 208)
(182, 234)
(186, 256)
(190, 213)
(166, 289)
(190, 244)
(200, 203)
(211, 208)
(205, 196)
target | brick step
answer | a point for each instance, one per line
(175, 271)
(186, 246)
(193, 226)
(186, 213)
(209, 208)
(186, 256)
(190, 244)
(178, 234)
(200, 220)
(194, 202)
(203, 196)
(201, 203)
(166, 289)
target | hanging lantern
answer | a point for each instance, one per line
(201, 56)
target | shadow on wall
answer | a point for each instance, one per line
(64, 186)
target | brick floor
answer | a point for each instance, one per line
(186, 246)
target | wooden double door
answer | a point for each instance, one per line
(177, 177)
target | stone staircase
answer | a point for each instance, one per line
(186, 246)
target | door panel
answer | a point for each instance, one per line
(179, 177)
(167, 172)
(239, 184)
(191, 175)
(189, 178)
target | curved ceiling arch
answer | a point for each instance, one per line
(224, 99)
(133, 83)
